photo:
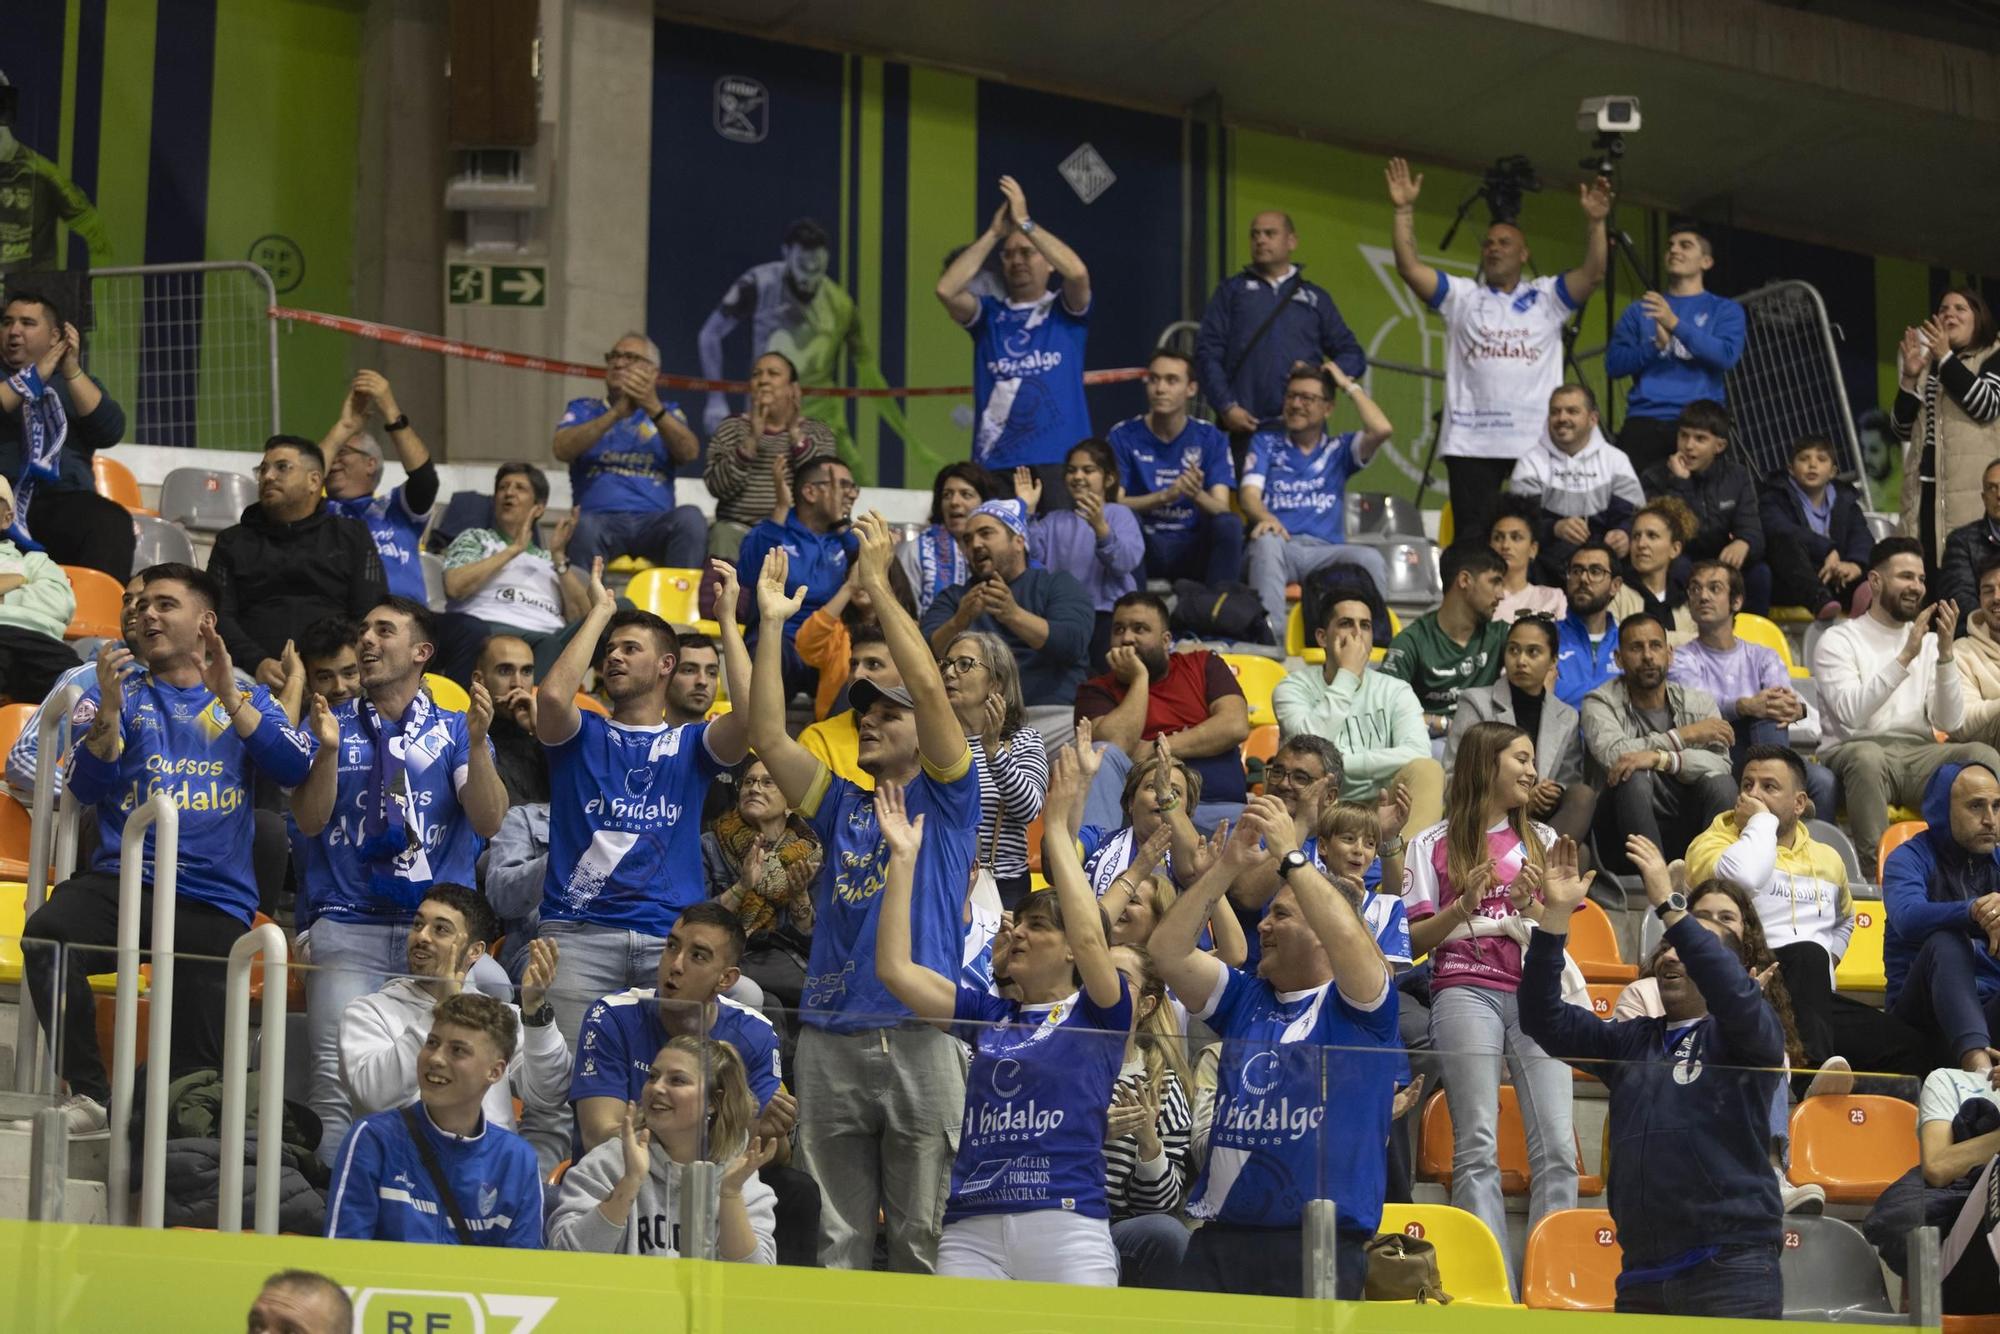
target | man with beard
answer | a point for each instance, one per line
(506, 668)
(697, 673)
(1586, 488)
(1657, 750)
(1587, 639)
(1887, 685)
(54, 416)
(1044, 616)
(1190, 698)
(400, 797)
(818, 544)
(625, 803)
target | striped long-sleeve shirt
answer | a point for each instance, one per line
(1013, 782)
(1158, 1186)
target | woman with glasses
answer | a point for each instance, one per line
(1660, 530)
(1097, 540)
(1472, 889)
(936, 560)
(1512, 538)
(761, 861)
(1524, 697)
(983, 683)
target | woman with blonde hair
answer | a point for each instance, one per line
(1472, 890)
(623, 1197)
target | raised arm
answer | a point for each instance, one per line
(312, 800)
(940, 736)
(728, 737)
(484, 796)
(929, 995)
(1404, 188)
(573, 442)
(556, 717)
(953, 283)
(1594, 198)
(1375, 427)
(1083, 924)
(792, 766)
(1175, 943)
(1359, 970)
(1066, 262)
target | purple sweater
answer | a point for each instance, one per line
(1108, 570)
(1741, 672)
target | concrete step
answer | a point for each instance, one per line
(83, 1201)
(89, 1159)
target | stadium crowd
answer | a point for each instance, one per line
(770, 897)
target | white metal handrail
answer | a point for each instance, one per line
(161, 815)
(270, 939)
(268, 330)
(49, 839)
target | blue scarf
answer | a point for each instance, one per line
(385, 836)
(46, 428)
(941, 563)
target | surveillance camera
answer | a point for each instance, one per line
(1608, 115)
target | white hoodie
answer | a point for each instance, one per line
(654, 1225)
(382, 1034)
(1581, 486)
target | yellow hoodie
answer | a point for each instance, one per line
(1800, 890)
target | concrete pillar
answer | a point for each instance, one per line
(594, 156)
(400, 223)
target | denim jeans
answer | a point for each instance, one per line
(594, 961)
(1274, 562)
(1150, 1249)
(879, 1115)
(349, 960)
(1472, 1030)
(1211, 551)
(1940, 994)
(1740, 1282)
(676, 538)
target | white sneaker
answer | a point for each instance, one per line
(1834, 1080)
(1806, 1199)
(87, 1118)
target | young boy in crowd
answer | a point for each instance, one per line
(1723, 496)
(1815, 533)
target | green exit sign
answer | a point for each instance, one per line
(496, 284)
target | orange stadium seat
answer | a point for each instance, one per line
(100, 600)
(1434, 1157)
(1572, 1262)
(115, 481)
(1594, 945)
(1853, 1146)
(1895, 836)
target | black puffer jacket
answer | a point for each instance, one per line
(194, 1184)
(278, 578)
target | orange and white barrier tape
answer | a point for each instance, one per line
(493, 356)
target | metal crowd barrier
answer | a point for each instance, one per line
(51, 860)
(270, 940)
(190, 350)
(160, 814)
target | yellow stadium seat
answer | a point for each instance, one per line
(672, 595)
(627, 565)
(1572, 1262)
(1756, 629)
(1470, 1263)
(1860, 969)
(13, 916)
(1895, 836)
(1297, 643)
(1793, 616)
(448, 693)
(1258, 677)
(1853, 1146)
(1446, 528)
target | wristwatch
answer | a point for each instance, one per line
(541, 1018)
(654, 417)
(1025, 226)
(1390, 847)
(1291, 862)
(1675, 902)
(402, 423)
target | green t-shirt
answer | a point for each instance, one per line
(1438, 668)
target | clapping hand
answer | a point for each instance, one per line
(218, 673)
(875, 547)
(1651, 864)
(325, 727)
(902, 835)
(1521, 892)
(479, 712)
(1407, 1097)
(637, 1140)
(773, 603)
(1017, 200)
(600, 596)
(1403, 187)
(1913, 357)
(1937, 346)
(540, 973)
(1028, 488)
(1563, 888)
(757, 1154)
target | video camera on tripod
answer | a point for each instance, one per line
(1501, 187)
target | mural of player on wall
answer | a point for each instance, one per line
(34, 196)
(795, 308)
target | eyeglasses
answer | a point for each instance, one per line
(751, 784)
(1590, 571)
(1305, 398)
(1277, 773)
(846, 488)
(960, 665)
(625, 358)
